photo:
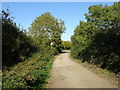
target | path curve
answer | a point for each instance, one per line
(66, 73)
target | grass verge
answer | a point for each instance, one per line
(104, 73)
(31, 73)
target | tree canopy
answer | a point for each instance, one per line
(66, 45)
(47, 29)
(97, 40)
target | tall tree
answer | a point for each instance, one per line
(46, 29)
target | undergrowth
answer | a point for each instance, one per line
(32, 73)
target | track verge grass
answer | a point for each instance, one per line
(31, 73)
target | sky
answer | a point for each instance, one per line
(70, 12)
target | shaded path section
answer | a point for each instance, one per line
(66, 73)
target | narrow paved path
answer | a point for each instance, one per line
(66, 73)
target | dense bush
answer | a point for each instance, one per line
(97, 40)
(16, 45)
(66, 45)
(32, 73)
